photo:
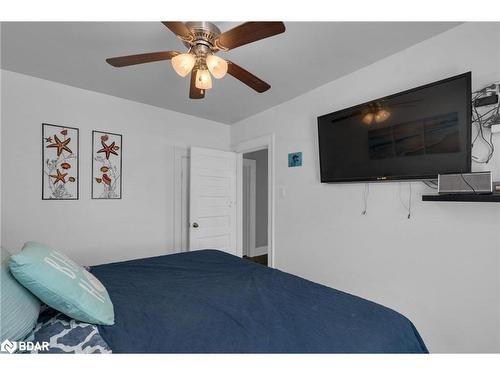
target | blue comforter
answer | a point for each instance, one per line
(211, 302)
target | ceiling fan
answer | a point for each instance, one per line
(377, 111)
(204, 40)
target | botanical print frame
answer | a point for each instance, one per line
(60, 162)
(106, 165)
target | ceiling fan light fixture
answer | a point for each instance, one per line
(368, 118)
(203, 79)
(183, 63)
(216, 65)
(382, 115)
(204, 40)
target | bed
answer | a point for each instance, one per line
(208, 301)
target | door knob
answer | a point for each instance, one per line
(195, 225)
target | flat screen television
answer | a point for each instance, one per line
(415, 134)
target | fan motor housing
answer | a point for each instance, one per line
(204, 34)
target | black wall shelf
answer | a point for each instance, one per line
(462, 197)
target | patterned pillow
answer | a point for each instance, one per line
(66, 335)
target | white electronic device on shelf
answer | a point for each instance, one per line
(465, 183)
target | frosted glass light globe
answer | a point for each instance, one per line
(216, 66)
(183, 63)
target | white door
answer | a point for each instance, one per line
(213, 200)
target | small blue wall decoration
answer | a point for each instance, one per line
(295, 159)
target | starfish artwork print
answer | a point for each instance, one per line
(60, 162)
(106, 165)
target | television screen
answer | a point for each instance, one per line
(416, 134)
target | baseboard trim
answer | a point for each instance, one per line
(261, 250)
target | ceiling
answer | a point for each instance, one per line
(307, 55)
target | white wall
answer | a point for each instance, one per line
(441, 267)
(93, 231)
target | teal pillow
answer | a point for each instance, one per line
(19, 308)
(62, 284)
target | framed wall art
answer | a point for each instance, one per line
(295, 159)
(106, 165)
(60, 175)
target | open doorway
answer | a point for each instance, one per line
(248, 146)
(255, 206)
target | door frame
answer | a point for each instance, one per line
(256, 144)
(180, 152)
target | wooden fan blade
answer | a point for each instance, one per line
(247, 78)
(248, 32)
(194, 92)
(141, 58)
(179, 29)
